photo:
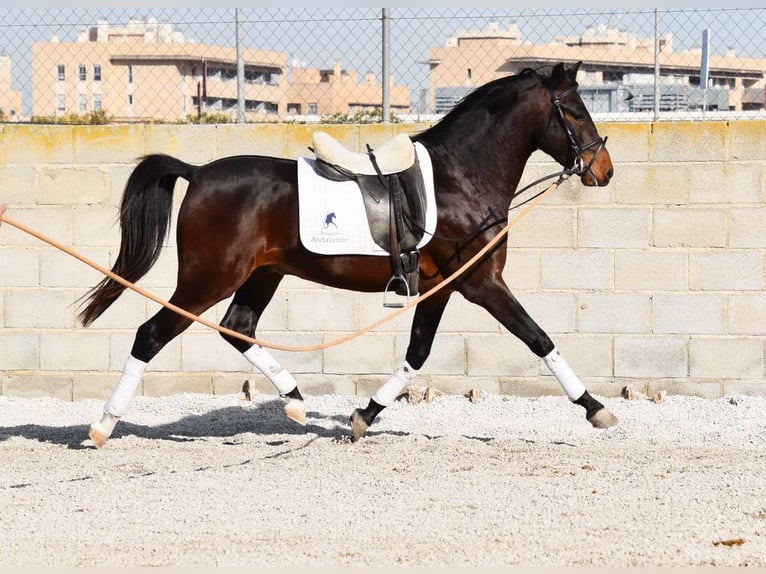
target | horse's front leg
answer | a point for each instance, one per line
(493, 294)
(424, 324)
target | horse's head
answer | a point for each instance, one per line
(571, 137)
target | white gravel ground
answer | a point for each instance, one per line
(216, 480)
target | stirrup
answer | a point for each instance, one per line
(395, 304)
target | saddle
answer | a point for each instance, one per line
(393, 193)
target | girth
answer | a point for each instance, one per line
(392, 189)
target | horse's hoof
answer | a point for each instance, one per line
(358, 425)
(98, 437)
(603, 419)
(296, 411)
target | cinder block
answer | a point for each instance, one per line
(19, 185)
(322, 310)
(21, 267)
(588, 355)
(447, 354)
(86, 386)
(727, 183)
(747, 140)
(72, 185)
(39, 308)
(726, 358)
(747, 314)
(628, 142)
(688, 227)
(705, 389)
(657, 357)
(554, 312)
(604, 312)
(166, 384)
(652, 184)
(577, 269)
(650, 270)
(726, 271)
(51, 221)
(38, 385)
(462, 316)
(370, 353)
(522, 269)
(747, 227)
(58, 269)
(38, 144)
(206, 351)
(74, 351)
(296, 361)
(544, 227)
(690, 313)
(371, 311)
(613, 228)
(503, 355)
(107, 144)
(19, 350)
(96, 226)
(688, 141)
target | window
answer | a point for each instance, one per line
(96, 73)
(130, 73)
(130, 99)
(82, 103)
(60, 103)
(312, 109)
(470, 74)
(81, 73)
(61, 72)
(96, 102)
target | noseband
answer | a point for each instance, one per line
(578, 167)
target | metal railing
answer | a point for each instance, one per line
(214, 65)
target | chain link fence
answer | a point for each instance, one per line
(186, 65)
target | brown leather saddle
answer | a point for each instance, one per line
(392, 188)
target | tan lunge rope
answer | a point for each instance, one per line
(495, 240)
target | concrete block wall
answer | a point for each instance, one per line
(656, 280)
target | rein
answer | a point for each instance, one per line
(532, 202)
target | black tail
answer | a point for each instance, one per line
(145, 214)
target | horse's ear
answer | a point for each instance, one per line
(573, 70)
(558, 75)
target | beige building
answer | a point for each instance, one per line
(10, 99)
(337, 91)
(617, 74)
(146, 71)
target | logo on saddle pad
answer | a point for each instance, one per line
(330, 232)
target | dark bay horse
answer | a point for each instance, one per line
(237, 234)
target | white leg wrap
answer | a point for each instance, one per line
(571, 384)
(282, 380)
(394, 386)
(126, 388)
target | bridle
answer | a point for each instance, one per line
(578, 167)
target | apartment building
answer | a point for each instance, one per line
(10, 99)
(146, 71)
(338, 91)
(617, 74)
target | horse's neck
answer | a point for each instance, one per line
(489, 165)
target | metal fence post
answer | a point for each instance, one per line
(656, 64)
(386, 66)
(240, 69)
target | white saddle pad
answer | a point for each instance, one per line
(333, 220)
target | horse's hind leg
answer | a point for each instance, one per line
(426, 320)
(243, 314)
(150, 338)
